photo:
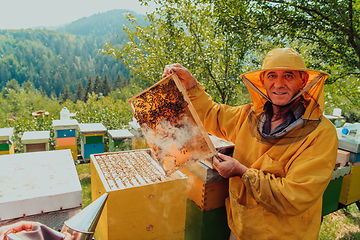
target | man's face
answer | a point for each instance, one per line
(282, 85)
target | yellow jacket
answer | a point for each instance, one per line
(280, 196)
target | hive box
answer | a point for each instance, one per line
(6, 141)
(207, 191)
(66, 134)
(120, 140)
(36, 141)
(39, 186)
(332, 192)
(92, 139)
(142, 203)
(349, 145)
(350, 188)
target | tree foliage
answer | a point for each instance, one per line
(185, 32)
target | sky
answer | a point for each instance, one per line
(17, 14)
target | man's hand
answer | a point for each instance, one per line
(229, 167)
(183, 74)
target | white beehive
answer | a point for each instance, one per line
(39, 186)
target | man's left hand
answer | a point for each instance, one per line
(228, 167)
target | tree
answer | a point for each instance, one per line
(106, 86)
(117, 83)
(67, 94)
(79, 94)
(326, 32)
(88, 89)
(185, 31)
(97, 85)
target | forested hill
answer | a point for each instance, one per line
(53, 59)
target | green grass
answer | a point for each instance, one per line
(343, 224)
(84, 173)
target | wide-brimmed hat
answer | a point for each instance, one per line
(281, 59)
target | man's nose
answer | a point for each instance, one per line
(279, 82)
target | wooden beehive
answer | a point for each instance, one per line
(143, 202)
(6, 141)
(36, 141)
(65, 135)
(92, 139)
(171, 125)
(119, 140)
(350, 188)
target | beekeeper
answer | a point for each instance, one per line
(285, 149)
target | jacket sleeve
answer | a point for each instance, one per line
(218, 119)
(307, 175)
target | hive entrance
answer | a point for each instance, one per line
(171, 125)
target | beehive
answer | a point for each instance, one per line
(350, 188)
(36, 141)
(349, 145)
(39, 186)
(171, 125)
(65, 135)
(206, 192)
(143, 203)
(332, 192)
(120, 140)
(92, 139)
(6, 141)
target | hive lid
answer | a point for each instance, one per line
(120, 134)
(65, 124)
(38, 182)
(89, 128)
(348, 144)
(6, 133)
(171, 125)
(35, 137)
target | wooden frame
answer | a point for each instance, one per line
(176, 142)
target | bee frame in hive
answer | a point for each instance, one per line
(143, 203)
(171, 125)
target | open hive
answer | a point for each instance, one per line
(171, 125)
(143, 203)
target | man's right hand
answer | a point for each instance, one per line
(183, 74)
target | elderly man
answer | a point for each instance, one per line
(285, 149)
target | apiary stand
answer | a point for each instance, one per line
(137, 208)
(39, 186)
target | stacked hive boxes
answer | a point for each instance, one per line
(36, 141)
(92, 139)
(332, 192)
(206, 192)
(142, 203)
(65, 135)
(6, 141)
(39, 186)
(120, 140)
(350, 189)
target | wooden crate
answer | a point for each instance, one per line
(209, 225)
(171, 125)
(143, 203)
(10, 151)
(92, 139)
(350, 188)
(331, 196)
